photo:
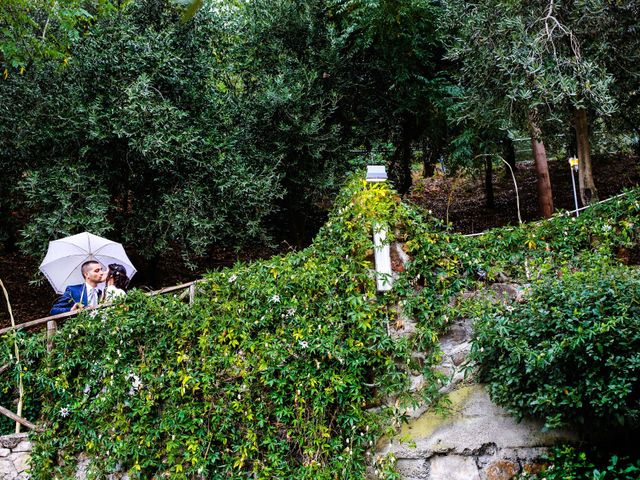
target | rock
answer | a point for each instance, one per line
(7, 470)
(459, 333)
(453, 467)
(83, 467)
(399, 248)
(21, 461)
(511, 291)
(4, 452)
(403, 326)
(533, 468)
(473, 422)
(419, 358)
(411, 469)
(417, 383)
(458, 358)
(11, 441)
(502, 470)
(24, 446)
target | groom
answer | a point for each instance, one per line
(84, 295)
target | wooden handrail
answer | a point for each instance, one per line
(22, 421)
(41, 321)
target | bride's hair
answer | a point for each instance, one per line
(119, 275)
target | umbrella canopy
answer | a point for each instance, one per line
(65, 257)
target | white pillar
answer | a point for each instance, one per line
(382, 254)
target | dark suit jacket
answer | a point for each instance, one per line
(73, 294)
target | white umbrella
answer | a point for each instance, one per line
(64, 258)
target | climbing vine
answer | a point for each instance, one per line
(288, 367)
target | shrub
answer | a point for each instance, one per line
(571, 353)
(567, 463)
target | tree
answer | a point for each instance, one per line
(520, 68)
(394, 75)
(133, 139)
(41, 29)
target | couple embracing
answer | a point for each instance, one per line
(87, 294)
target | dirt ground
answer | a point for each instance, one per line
(462, 197)
(466, 203)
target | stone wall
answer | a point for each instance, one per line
(476, 440)
(14, 456)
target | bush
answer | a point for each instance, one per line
(571, 353)
(566, 463)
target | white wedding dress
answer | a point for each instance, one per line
(113, 293)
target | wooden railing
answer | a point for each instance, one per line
(190, 287)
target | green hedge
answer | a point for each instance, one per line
(571, 352)
(567, 463)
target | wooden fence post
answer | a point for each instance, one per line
(192, 293)
(52, 326)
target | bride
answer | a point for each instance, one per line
(116, 282)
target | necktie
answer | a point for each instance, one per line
(93, 298)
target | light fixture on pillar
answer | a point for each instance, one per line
(574, 166)
(376, 173)
(382, 254)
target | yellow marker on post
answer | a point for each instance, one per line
(573, 166)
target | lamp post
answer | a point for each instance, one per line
(573, 166)
(382, 253)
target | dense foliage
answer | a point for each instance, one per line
(299, 346)
(564, 463)
(279, 369)
(569, 354)
(38, 29)
(131, 130)
(226, 128)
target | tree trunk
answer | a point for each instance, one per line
(152, 271)
(545, 196)
(588, 191)
(429, 159)
(488, 183)
(433, 154)
(400, 166)
(509, 153)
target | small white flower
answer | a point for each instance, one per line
(136, 383)
(291, 312)
(606, 228)
(64, 412)
(233, 278)
(304, 344)
(275, 298)
(93, 313)
(87, 389)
